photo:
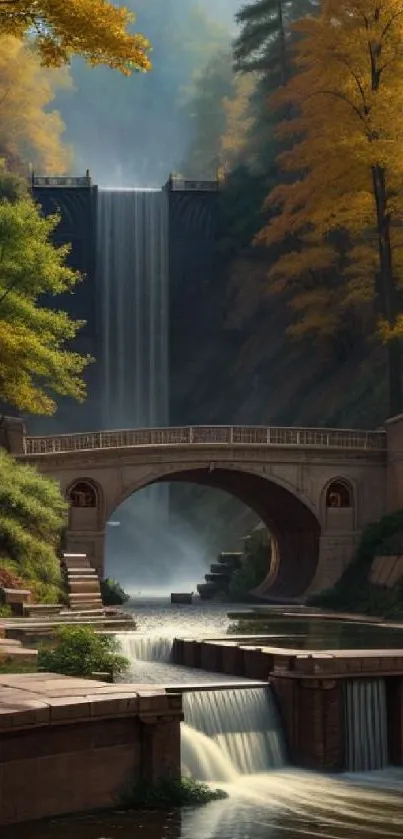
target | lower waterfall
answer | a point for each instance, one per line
(231, 732)
(146, 647)
(365, 725)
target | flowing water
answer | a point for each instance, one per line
(133, 258)
(365, 722)
(233, 739)
(244, 726)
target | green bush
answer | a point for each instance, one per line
(80, 651)
(169, 792)
(112, 593)
(254, 567)
(354, 592)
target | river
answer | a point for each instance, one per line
(283, 802)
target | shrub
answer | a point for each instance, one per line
(80, 651)
(255, 564)
(32, 515)
(169, 792)
(354, 592)
(112, 593)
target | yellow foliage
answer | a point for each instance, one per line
(95, 29)
(28, 132)
(344, 169)
(36, 361)
(238, 119)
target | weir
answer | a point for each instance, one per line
(138, 647)
(244, 726)
(365, 725)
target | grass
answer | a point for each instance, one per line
(12, 666)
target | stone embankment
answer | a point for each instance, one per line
(72, 745)
(309, 687)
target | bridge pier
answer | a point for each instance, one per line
(336, 551)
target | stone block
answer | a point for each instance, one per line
(210, 657)
(111, 704)
(232, 660)
(68, 708)
(192, 653)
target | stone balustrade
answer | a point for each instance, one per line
(221, 435)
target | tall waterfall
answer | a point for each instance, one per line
(230, 732)
(365, 725)
(132, 240)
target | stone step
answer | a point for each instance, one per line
(76, 561)
(88, 604)
(84, 587)
(220, 579)
(76, 596)
(17, 653)
(88, 575)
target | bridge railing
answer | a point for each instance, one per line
(209, 435)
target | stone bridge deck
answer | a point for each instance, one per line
(230, 435)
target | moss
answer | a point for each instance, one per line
(354, 592)
(168, 792)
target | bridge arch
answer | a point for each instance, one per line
(290, 517)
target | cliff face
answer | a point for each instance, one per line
(223, 369)
(245, 369)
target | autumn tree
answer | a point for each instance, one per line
(36, 361)
(97, 30)
(29, 132)
(345, 175)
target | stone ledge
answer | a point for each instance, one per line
(38, 699)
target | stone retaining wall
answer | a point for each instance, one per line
(308, 688)
(72, 745)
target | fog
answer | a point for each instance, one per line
(135, 131)
(132, 132)
(151, 549)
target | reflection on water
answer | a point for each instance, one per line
(159, 616)
(268, 806)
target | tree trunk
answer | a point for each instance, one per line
(388, 297)
(395, 377)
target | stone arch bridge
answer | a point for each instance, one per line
(316, 489)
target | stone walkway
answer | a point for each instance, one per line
(32, 699)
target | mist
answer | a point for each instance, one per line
(151, 549)
(135, 131)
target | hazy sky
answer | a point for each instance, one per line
(134, 131)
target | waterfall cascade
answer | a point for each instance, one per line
(132, 241)
(146, 647)
(231, 732)
(365, 725)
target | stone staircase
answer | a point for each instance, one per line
(84, 591)
(218, 581)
